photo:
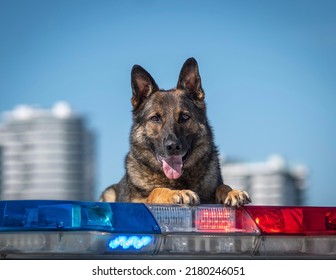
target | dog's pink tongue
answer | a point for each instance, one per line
(172, 167)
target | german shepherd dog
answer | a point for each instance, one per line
(172, 157)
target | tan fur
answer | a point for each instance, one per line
(108, 195)
(164, 195)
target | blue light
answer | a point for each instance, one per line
(129, 242)
(57, 215)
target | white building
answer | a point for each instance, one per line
(46, 154)
(271, 182)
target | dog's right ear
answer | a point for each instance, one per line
(143, 85)
(190, 79)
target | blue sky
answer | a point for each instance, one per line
(268, 70)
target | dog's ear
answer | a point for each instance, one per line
(190, 79)
(143, 85)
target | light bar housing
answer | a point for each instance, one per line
(74, 229)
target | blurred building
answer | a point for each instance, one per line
(46, 154)
(272, 182)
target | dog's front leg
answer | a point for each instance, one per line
(230, 197)
(165, 195)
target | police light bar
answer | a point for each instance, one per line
(62, 229)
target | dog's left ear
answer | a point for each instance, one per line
(143, 85)
(190, 79)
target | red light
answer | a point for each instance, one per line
(331, 220)
(221, 219)
(294, 220)
(224, 220)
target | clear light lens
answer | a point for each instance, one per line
(22, 242)
(173, 218)
(297, 246)
(212, 219)
(76, 243)
(200, 244)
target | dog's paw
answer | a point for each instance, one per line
(229, 197)
(236, 198)
(185, 197)
(108, 195)
(164, 195)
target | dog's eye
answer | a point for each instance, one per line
(155, 118)
(184, 117)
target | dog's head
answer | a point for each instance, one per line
(168, 125)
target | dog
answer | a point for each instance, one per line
(172, 157)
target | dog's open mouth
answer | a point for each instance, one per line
(172, 166)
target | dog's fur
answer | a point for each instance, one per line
(172, 158)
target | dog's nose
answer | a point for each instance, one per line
(173, 146)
